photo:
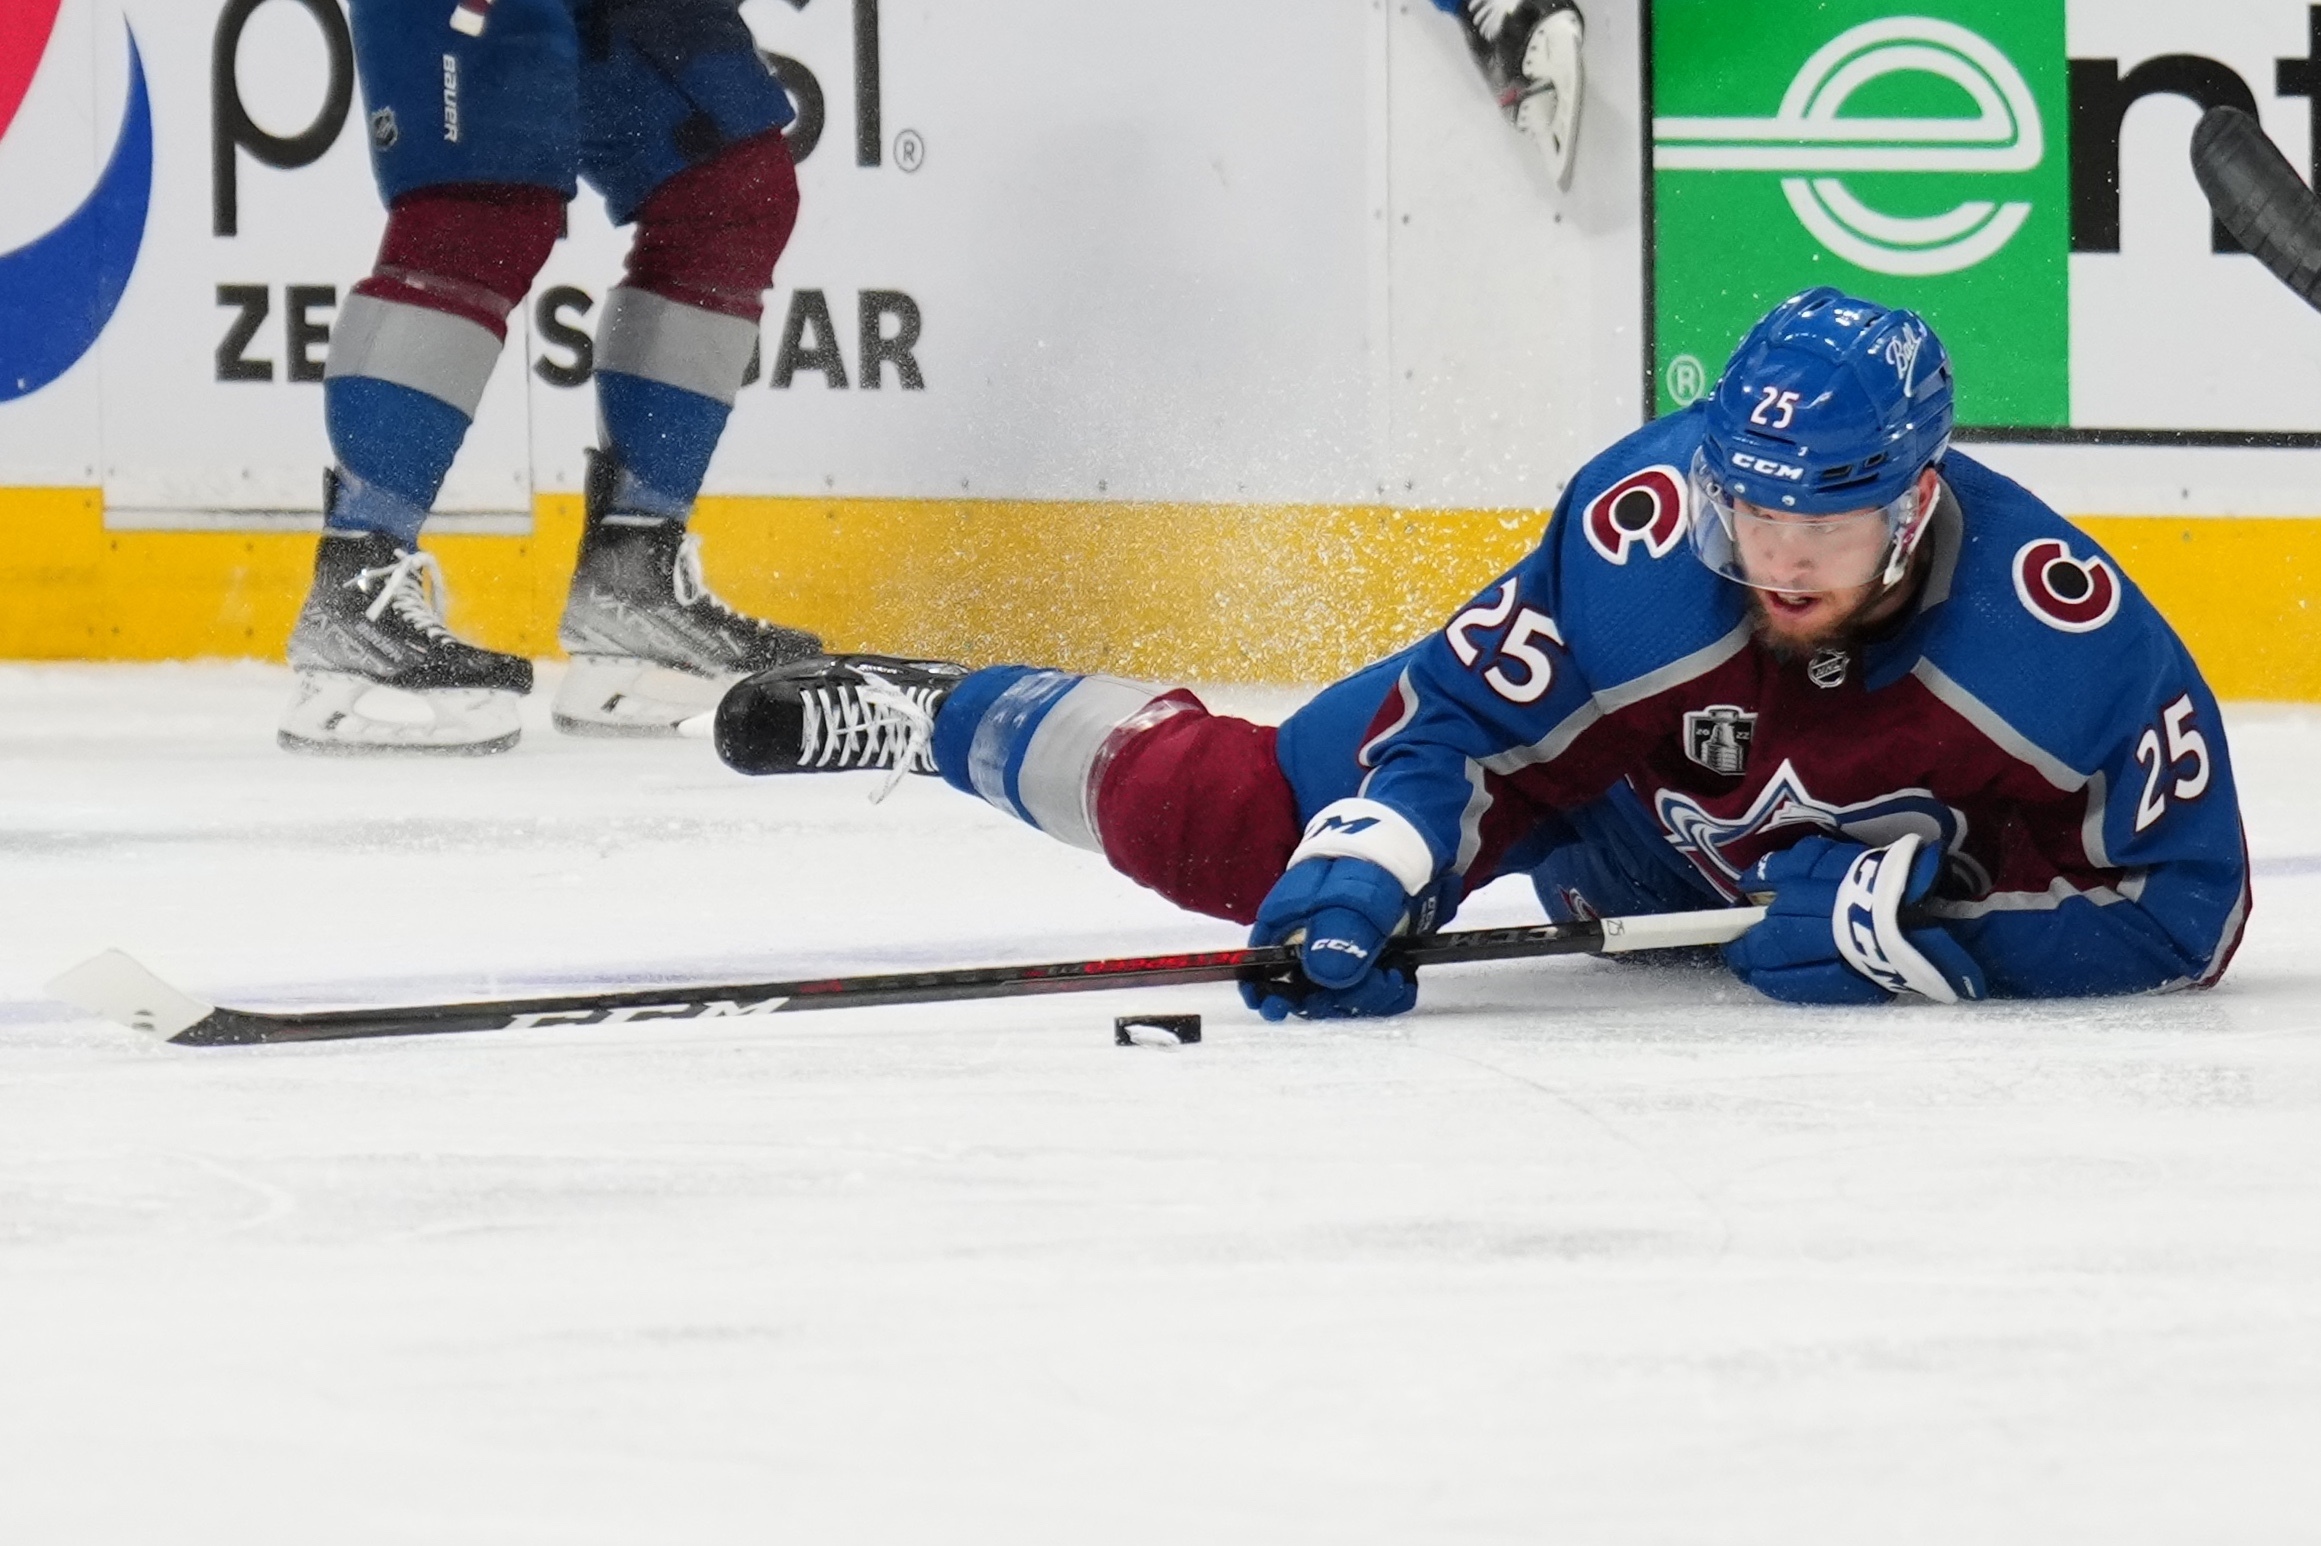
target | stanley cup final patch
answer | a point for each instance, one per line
(1718, 738)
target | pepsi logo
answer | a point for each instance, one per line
(2075, 595)
(59, 291)
(1644, 509)
(30, 22)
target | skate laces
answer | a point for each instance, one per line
(691, 587)
(1490, 16)
(872, 724)
(413, 588)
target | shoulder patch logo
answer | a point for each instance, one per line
(1644, 509)
(2072, 595)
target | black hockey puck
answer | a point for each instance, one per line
(1156, 1030)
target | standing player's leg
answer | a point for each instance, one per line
(1529, 53)
(683, 135)
(474, 143)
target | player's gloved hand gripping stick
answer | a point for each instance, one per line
(1338, 914)
(1352, 885)
(1836, 932)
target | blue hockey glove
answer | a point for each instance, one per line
(1342, 912)
(1346, 892)
(1833, 931)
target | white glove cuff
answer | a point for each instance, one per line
(1867, 923)
(1365, 829)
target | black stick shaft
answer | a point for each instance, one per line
(240, 1027)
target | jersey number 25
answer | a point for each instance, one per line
(1530, 624)
(2185, 744)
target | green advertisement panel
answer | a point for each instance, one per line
(1911, 153)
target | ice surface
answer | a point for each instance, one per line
(1582, 1252)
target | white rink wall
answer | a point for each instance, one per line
(1205, 252)
(1212, 253)
(1254, 320)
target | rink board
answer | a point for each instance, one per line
(1258, 390)
(1205, 593)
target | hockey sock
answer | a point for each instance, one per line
(416, 342)
(1035, 743)
(961, 716)
(680, 330)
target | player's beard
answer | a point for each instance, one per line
(1841, 632)
(1875, 612)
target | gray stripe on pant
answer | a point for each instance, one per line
(702, 352)
(1054, 781)
(449, 358)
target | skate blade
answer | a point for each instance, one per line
(335, 715)
(1550, 112)
(624, 698)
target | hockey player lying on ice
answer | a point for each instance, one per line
(1785, 644)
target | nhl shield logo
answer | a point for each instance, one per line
(1718, 738)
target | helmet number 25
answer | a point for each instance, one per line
(1771, 401)
(2185, 744)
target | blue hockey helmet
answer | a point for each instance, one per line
(1831, 406)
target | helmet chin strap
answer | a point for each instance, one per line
(1907, 540)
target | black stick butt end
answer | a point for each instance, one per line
(2260, 198)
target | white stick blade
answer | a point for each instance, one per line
(1669, 931)
(115, 986)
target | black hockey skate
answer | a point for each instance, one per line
(651, 645)
(377, 669)
(836, 714)
(1529, 52)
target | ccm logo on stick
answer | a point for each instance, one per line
(1643, 509)
(2072, 595)
(711, 1009)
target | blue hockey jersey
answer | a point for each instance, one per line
(2031, 713)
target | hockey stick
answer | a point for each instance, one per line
(115, 987)
(2260, 198)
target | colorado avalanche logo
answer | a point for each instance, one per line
(59, 291)
(1785, 802)
(2075, 595)
(1644, 509)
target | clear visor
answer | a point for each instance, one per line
(1798, 555)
